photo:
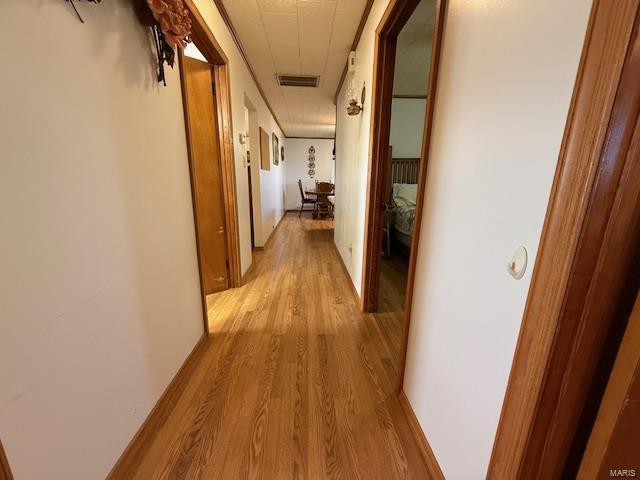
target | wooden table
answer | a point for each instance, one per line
(328, 195)
(315, 192)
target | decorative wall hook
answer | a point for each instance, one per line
(517, 266)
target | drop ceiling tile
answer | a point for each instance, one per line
(316, 22)
(303, 36)
(414, 51)
(282, 34)
(293, 99)
(259, 56)
(414, 84)
(277, 6)
(247, 8)
(348, 15)
(293, 94)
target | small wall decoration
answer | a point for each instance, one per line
(312, 161)
(276, 149)
(265, 164)
(282, 154)
(170, 24)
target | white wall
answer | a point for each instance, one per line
(407, 124)
(500, 114)
(500, 109)
(272, 181)
(296, 160)
(99, 291)
(272, 191)
(254, 148)
(352, 155)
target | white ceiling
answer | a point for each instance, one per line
(298, 37)
(413, 51)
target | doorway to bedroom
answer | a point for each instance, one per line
(408, 106)
(407, 118)
(405, 71)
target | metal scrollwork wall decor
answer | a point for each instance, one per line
(73, 5)
(170, 24)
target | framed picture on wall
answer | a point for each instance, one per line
(276, 149)
(264, 150)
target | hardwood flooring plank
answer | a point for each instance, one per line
(294, 383)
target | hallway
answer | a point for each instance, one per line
(162, 316)
(294, 382)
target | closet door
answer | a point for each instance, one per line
(206, 174)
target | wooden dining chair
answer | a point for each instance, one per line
(323, 205)
(304, 199)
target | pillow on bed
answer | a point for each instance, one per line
(404, 194)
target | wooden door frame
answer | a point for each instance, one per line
(390, 25)
(5, 469)
(210, 48)
(591, 226)
(604, 440)
(393, 19)
(586, 242)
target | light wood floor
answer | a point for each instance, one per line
(295, 382)
(393, 284)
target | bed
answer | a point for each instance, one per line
(401, 205)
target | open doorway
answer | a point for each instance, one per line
(408, 105)
(251, 221)
(207, 110)
(252, 148)
(244, 141)
(405, 73)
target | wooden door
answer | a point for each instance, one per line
(614, 444)
(206, 174)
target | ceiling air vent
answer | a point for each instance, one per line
(298, 80)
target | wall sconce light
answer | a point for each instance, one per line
(353, 108)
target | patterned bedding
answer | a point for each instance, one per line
(404, 219)
(403, 200)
